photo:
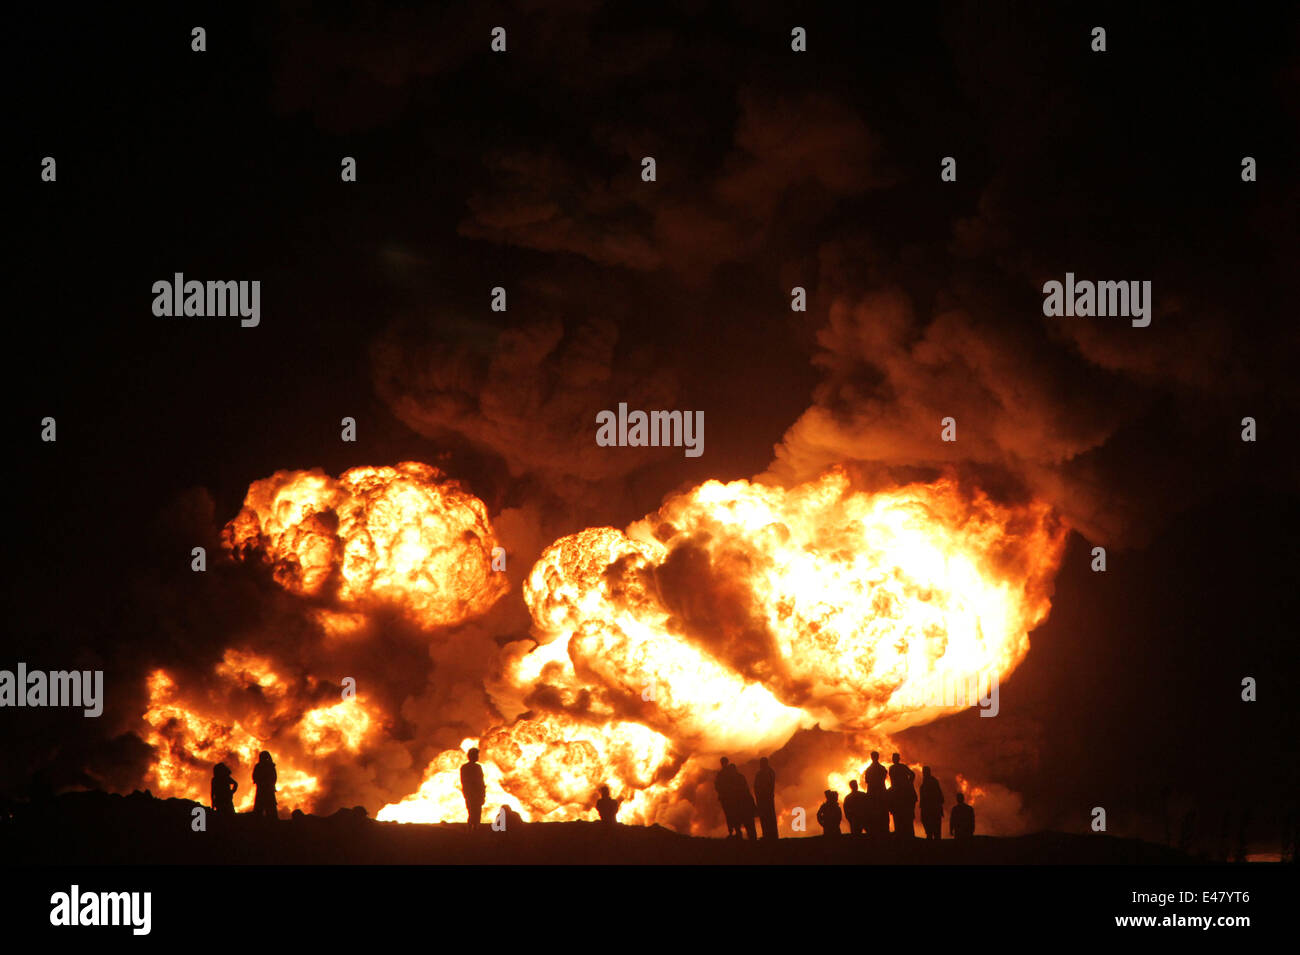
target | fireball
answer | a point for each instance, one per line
(190, 736)
(732, 618)
(740, 613)
(405, 536)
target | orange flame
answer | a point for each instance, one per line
(189, 739)
(732, 618)
(405, 536)
(738, 614)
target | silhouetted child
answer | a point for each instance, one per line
(474, 790)
(961, 821)
(607, 808)
(264, 779)
(223, 789)
(856, 809)
(829, 814)
(931, 805)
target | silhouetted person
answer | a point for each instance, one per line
(902, 798)
(745, 808)
(223, 789)
(829, 814)
(607, 808)
(856, 809)
(511, 820)
(264, 779)
(473, 789)
(765, 798)
(931, 805)
(877, 797)
(961, 821)
(725, 784)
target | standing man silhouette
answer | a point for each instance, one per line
(765, 797)
(961, 821)
(725, 784)
(475, 792)
(856, 809)
(829, 814)
(264, 777)
(902, 798)
(931, 805)
(877, 797)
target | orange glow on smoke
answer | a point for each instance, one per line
(973, 794)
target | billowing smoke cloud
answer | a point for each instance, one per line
(528, 396)
(1162, 401)
(892, 380)
(687, 224)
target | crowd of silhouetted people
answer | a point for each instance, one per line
(892, 794)
(740, 807)
(889, 794)
(884, 796)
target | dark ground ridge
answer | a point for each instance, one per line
(103, 828)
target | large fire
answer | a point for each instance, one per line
(400, 535)
(405, 538)
(190, 738)
(731, 619)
